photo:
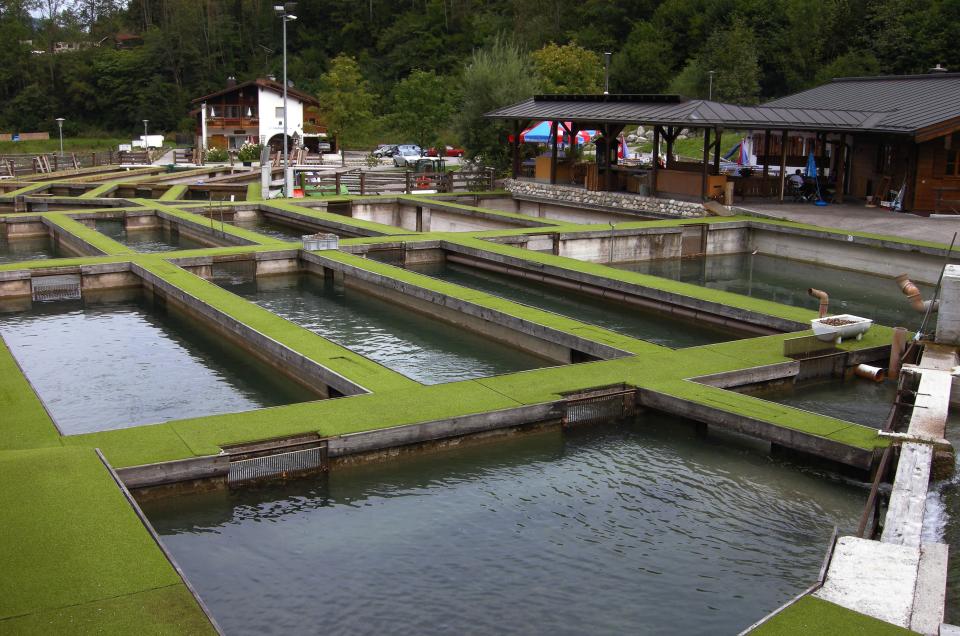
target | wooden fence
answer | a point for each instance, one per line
(364, 182)
(24, 164)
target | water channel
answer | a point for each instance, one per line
(147, 240)
(786, 281)
(669, 331)
(642, 527)
(855, 400)
(32, 248)
(418, 346)
(273, 229)
(117, 360)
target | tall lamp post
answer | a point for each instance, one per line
(710, 93)
(146, 144)
(283, 10)
(60, 121)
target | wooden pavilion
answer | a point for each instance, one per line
(873, 136)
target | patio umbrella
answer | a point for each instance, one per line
(812, 174)
(539, 133)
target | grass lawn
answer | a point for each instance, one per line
(70, 144)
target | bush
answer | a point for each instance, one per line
(249, 152)
(216, 155)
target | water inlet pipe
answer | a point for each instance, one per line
(823, 297)
(869, 372)
(913, 295)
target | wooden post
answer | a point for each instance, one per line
(611, 153)
(656, 161)
(909, 197)
(716, 151)
(766, 160)
(841, 163)
(553, 152)
(362, 182)
(515, 150)
(783, 163)
(706, 163)
(336, 183)
(406, 182)
(671, 137)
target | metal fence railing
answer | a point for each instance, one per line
(364, 182)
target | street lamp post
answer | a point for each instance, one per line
(710, 93)
(146, 144)
(606, 73)
(283, 10)
(60, 121)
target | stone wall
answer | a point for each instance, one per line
(613, 200)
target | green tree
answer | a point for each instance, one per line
(567, 69)
(643, 64)
(422, 107)
(495, 76)
(731, 54)
(852, 64)
(346, 100)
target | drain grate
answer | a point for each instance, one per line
(600, 405)
(50, 288)
(277, 465)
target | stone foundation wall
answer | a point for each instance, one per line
(615, 200)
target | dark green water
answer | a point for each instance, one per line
(786, 281)
(660, 329)
(271, 228)
(27, 249)
(419, 347)
(855, 400)
(643, 528)
(118, 361)
(941, 522)
(150, 240)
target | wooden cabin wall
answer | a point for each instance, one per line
(932, 171)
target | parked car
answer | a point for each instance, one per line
(385, 150)
(406, 154)
(427, 164)
(448, 151)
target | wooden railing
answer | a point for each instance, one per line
(364, 182)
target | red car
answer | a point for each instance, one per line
(448, 151)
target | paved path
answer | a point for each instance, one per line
(165, 159)
(861, 219)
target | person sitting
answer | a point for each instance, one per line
(796, 186)
(796, 179)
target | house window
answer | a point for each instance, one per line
(953, 163)
(279, 112)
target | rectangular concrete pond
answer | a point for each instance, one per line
(32, 248)
(638, 528)
(855, 400)
(669, 331)
(152, 239)
(271, 228)
(119, 359)
(420, 347)
(786, 281)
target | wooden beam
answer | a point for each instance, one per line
(706, 163)
(716, 151)
(656, 161)
(515, 150)
(553, 152)
(841, 163)
(671, 137)
(783, 163)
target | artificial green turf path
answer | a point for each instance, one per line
(81, 558)
(813, 616)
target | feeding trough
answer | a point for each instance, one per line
(840, 327)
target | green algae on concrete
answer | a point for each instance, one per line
(811, 615)
(75, 550)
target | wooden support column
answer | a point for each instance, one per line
(706, 163)
(841, 164)
(671, 137)
(611, 150)
(909, 197)
(766, 160)
(716, 150)
(783, 163)
(515, 150)
(553, 152)
(656, 161)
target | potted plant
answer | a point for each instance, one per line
(249, 153)
(216, 155)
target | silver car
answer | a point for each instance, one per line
(406, 155)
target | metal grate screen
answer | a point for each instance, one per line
(64, 287)
(272, 466)
(600, 408)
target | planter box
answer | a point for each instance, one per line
(852, 327)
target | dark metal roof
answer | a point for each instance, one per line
(673, 110)
(909, 102)
(268, 84)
